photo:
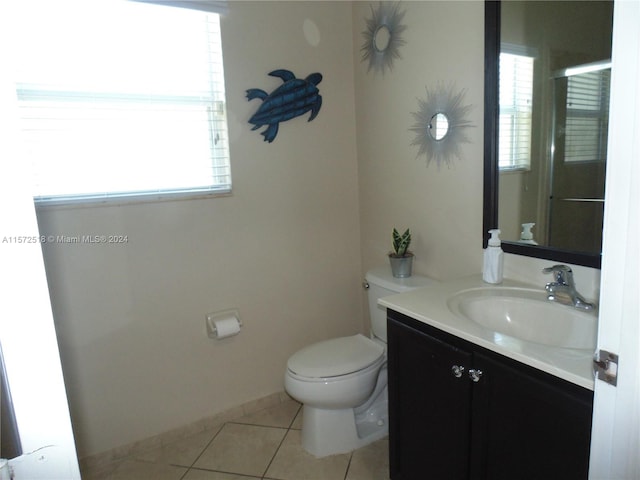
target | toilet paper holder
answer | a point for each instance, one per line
(229, 319)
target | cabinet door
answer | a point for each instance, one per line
(525, 427)
(429, 407)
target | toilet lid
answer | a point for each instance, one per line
(338, 356)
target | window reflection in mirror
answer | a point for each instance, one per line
(439, 126)
(552, 123)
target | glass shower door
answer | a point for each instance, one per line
(579, 154)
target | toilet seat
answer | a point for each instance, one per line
(336, 357)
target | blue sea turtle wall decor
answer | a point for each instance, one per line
(291, 99)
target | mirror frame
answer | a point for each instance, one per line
(491, 172)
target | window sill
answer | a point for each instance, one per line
(132, 199)
(513, 170)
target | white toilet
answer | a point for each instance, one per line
(342, 382)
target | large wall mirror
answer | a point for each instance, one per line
(547, 76)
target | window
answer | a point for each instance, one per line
(587, 116)
(121, 99)
(516, 98)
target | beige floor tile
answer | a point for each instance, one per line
(96, 473)
(297, 422)
(182, 453)
(207, 475)
(293, 463)
(370, 462)
(278, 416)
(136, 470)
(242, 449)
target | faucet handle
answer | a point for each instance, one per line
(562, 273)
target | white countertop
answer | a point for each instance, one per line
(429, 305)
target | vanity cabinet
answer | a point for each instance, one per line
(459, 411)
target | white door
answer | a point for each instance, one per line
(615, 443)
(27, 331)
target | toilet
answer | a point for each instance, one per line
(342, 382)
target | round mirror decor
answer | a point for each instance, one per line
(383, 36)
(440, 124)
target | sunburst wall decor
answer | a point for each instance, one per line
(383, 37)
(440, 124)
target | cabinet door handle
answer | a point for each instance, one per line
(475, 374)
(457, 370)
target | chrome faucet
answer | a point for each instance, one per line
(563, 290)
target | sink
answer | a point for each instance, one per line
(526, 314)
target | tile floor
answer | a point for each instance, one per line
(263, 445)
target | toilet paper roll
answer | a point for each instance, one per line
(226, 326)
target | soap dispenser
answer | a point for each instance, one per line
(527, 236)
(493, 259)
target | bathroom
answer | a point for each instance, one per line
(309, 214)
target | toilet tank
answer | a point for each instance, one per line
(382, 284)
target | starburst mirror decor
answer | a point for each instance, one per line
(383, 37)
(440, 124)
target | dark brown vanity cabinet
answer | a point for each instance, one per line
(459, 411)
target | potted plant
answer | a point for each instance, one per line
(401, 258)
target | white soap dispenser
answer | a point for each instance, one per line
(527, 236)
(493, 259)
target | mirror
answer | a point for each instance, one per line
(545, 138)
(438, 126)
(381, 38)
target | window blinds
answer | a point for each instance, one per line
(122, 99)
(587, 116)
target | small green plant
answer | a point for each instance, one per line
(401, 243)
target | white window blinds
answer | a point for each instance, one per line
(122, 99)
(516, 99)
(587, 116)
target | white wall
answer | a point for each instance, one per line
(443, 208)
(283, 250)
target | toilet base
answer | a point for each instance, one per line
(330, 432)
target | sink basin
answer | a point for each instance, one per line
(526, 314)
